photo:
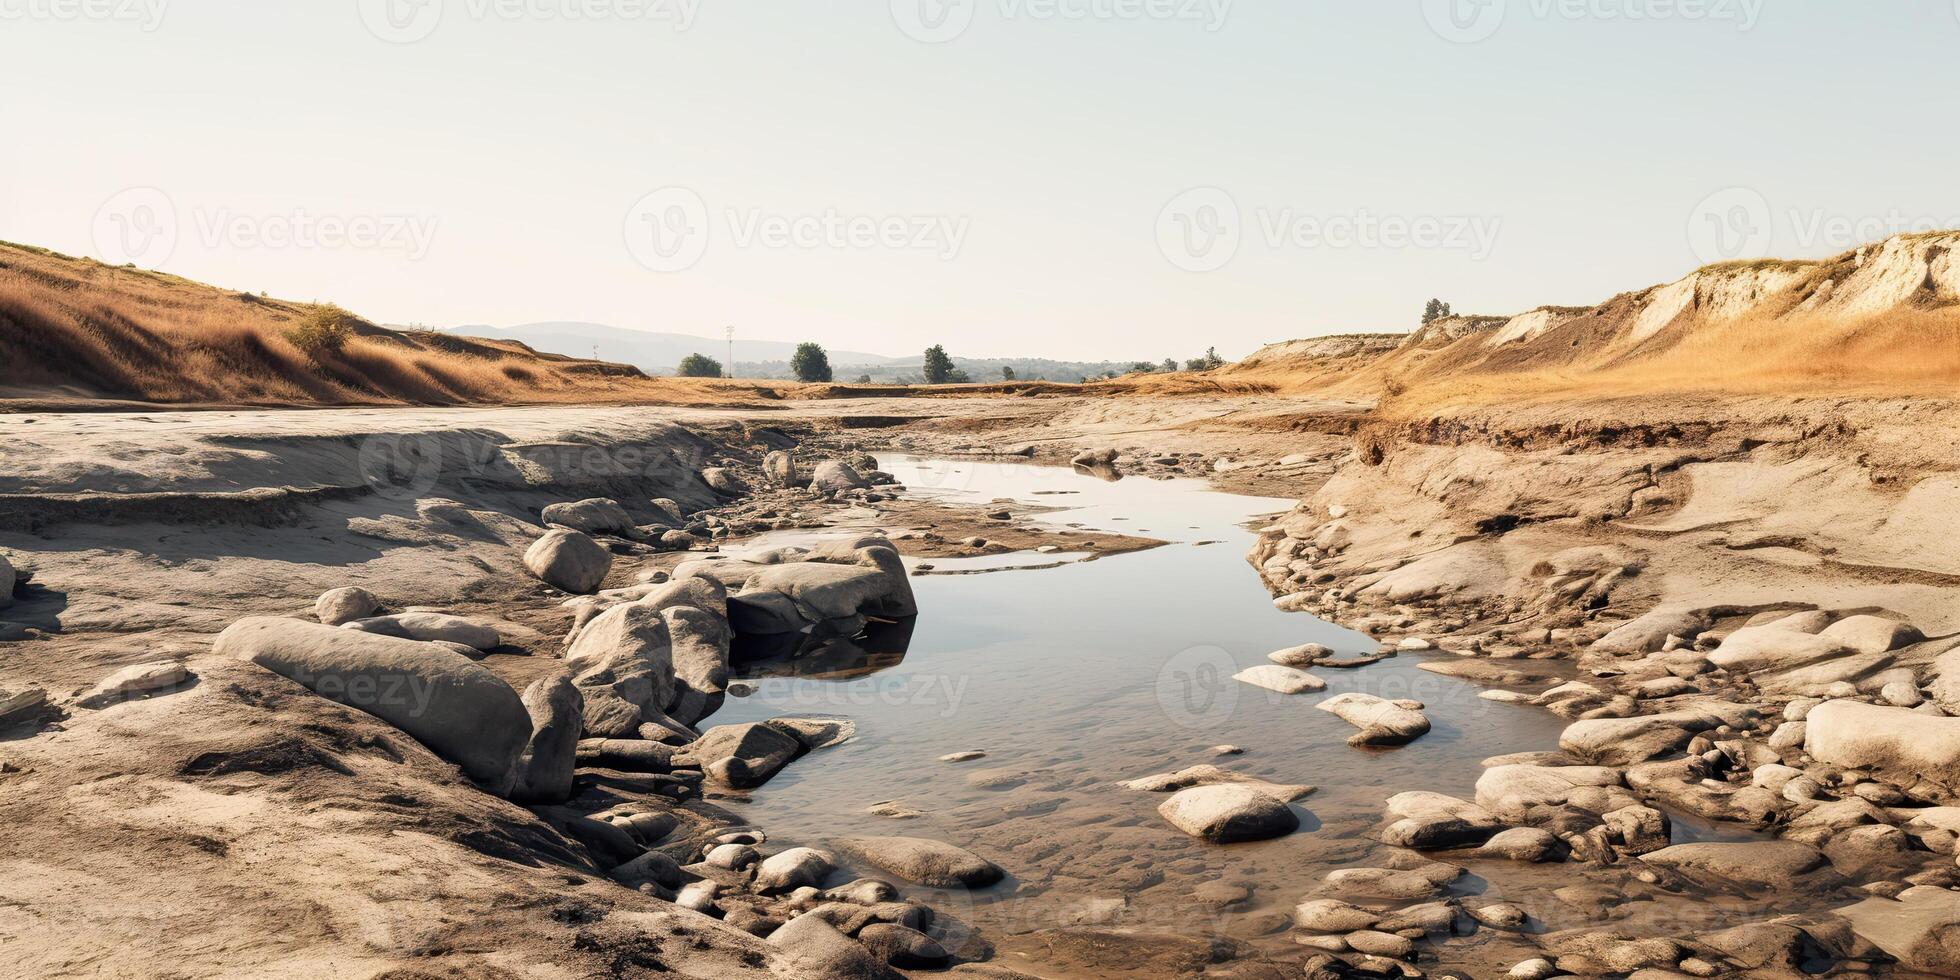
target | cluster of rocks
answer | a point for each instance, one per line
(1833, 734)
(643, 665)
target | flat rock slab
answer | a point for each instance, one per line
(934, 864)
(1921, 929)
(1280, 680)
(1214, 776)
(1778, 863)
(1229, 814)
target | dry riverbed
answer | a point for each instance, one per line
(1713, 655)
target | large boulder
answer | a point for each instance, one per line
(338, 606)
(1382, 722)
(836, 476)
(7, 578)
(1920, 929)
(1228, 813)
(544, 768)
(798, 867)
(1872, 634)
(780, 468)
(934, 864)
(741, 756)
(1649, 632)
(699, 641)
(1894, 741)
(1774, 648)
(622, 663)
(813, 948)
(569, 561)
(461, 711)
(430, 627)
(1433, 822)
(701, 592)
(599, 515)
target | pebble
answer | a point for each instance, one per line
(963, 756)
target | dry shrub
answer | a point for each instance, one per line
(322, 329)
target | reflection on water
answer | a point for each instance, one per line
(1076, 677)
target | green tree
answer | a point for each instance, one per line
(810, 364)
(939, 367)
(1170, 365)
(1007, 372)
(700, 366)
(1436, 310)
(864, 379)
(1143, 367)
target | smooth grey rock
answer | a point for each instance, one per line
(1529, 844)
(780, 468)
(430, 627)
(741, 756)
(338, 606)
(599, 515)
(797, 867)
(814, 949)
(1920, 929)
(1894, 741)
(622, 663)
(1229, 813)
(1872, 634)
(1433, 821)
(569, 561)
(1329, 915)
(835, 476)
(1777, 863)
(903, 947)
(544, 768)
(1280, 680)
(932, 863)
(461, 711)
(1382, 722)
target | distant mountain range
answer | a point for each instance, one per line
(654, 353)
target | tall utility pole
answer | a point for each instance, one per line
(729, 371)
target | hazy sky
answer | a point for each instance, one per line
(1075, 178)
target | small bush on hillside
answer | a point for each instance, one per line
(323, 328)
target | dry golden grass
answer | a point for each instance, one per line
(1906, 352)
(76, 329)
